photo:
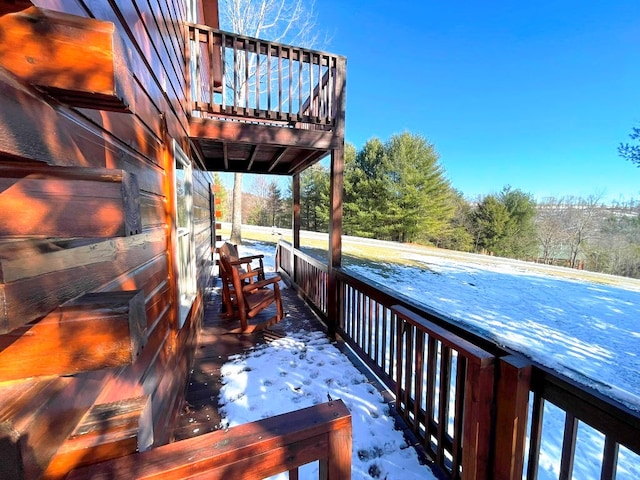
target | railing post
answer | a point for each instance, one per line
(476, 436)
(335, 204)
(512, 410)
(337, 466)
(295, 187)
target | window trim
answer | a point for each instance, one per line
(185, 244)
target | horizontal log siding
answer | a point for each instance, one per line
(140, 144)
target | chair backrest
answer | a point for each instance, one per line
(230, 273)
(230, 250)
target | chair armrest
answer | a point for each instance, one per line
(261, 283)
(250, 257)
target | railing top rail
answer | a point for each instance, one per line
(306, 257)
(590, 406)
(245, 38)
(389, 297)
(466, 348)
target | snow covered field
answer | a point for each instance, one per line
(588, 330)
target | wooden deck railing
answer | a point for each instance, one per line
(445, 377)
(253, 450)
(258, 80)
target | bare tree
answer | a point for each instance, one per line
(291, 21)
(552, 234)
(580, 218)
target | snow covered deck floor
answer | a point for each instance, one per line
(200, 413)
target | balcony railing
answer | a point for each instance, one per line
(253, 79)
(477, 409)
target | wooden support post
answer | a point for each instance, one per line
(512, 410)
(96, 331)
(295, 184)
(336, 193)
(295, 187)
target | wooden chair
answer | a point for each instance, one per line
(246, 299)
(250, 263)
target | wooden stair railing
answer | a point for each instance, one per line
(250, 451)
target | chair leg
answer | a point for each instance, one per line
(280, 314)
(242, 314)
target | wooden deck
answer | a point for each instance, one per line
(199, 414)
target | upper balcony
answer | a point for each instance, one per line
(262, 107)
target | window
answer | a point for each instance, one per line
(184, 224)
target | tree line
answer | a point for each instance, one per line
(397, 190)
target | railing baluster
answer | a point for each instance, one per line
(370, 322)
(418, 379)
(432, 359)
(443, 400)
(246, 77)
(609, 459)
(456, 448)
(568, 446)
(235, 77)
(311, 100)
(269, 93)
(320, 89)
(535, 436)
(211, 49)
(291, 82)
(300, 83)
(258, 74)
(279, 49)
(197, 72)
(223, 49)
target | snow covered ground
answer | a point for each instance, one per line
(588, 330)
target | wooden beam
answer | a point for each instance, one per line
(252, 156)
(241, 132)
(79, 60)
(35, 419)
(68, 202)
(109, 430)
(249, 451)
(95, 331)
(301, 164)
(225, 155)
(276, 159)
(38, 276)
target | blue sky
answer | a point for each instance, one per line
(536, 95)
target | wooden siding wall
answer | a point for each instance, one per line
(55, 418)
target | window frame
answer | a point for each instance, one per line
(185, 243)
